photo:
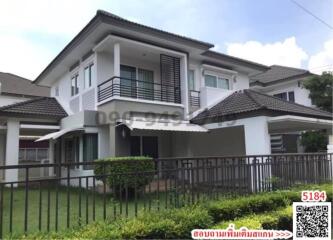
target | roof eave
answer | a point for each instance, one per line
(231, 59)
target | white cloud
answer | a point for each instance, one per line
(322, 61)
(286, 52)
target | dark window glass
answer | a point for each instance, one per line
(135, 146)
(74, 85)
(281, 95)
(90, 149)
(291, 96)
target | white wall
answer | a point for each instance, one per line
(301, 94)
(64, 85)
(241, 82)
(7, 100)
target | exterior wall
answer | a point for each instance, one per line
(8, 100)
(64, 86)
(301, 94)
(217, 142)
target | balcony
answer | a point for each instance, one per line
(137, 89)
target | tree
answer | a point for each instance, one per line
(321, 87)
(314, 141)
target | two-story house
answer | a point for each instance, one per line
(285, 83)
(120, 88)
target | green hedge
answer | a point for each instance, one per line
(167, 224)
(252, 211)
(230, 209)
(123, 172)
(279, 220)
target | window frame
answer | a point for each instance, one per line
(90, 67)
(287, 95)
(75, 89)
(217, 77)
(188, 80)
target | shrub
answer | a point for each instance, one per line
(168, 224)
(125, 172)
(235, 208)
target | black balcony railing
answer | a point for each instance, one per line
(194, 98)
(132, 88)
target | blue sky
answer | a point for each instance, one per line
(268, 31)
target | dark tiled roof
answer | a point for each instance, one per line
(44, 107)
(14, 84)
(255, 103)
(114, 16)
(278, 73)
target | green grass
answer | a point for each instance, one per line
(113, 208)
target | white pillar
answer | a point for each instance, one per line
(330, 144)
(257, 138)
(51, 157)
(184, 85)
(257, 142)
(116, 60)
(12, 149)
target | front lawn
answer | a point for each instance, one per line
(265, 210)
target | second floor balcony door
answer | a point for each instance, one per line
(146, 84)
(128, 81)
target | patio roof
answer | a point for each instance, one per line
(44, 107)
(158, 125)
(249, 103)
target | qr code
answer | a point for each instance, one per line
(312, 220)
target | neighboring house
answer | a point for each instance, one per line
(120, 88)
(285, 83)
(14, 89)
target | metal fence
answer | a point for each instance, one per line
(74, 196)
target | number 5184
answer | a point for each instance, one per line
(314, 196)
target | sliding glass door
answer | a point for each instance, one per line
(127, 81)
(146, 84)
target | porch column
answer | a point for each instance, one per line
(116, 59)
(112, 140)
(12, 149)
(257, 142)
(330, 144)
(51, 156)
(257, 138)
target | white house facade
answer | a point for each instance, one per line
(120, 88)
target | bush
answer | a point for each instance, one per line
(122, 172)
(171, 224)
(235, 208)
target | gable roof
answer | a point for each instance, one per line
(278, 73)
(44, 107)
(249, 103)
(13, 84)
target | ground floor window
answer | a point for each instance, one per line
(144, 146)
(90, 148)
(72, 150)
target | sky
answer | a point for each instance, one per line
(270, 32)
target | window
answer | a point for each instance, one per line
(210, 81)
(72, 150)
(74, 85)
(88, 76)
(191, 80)
(216, 82)
(56, 91)
(291, 96)
(146, 84)
(223, 83)
(90, 146)
(287, 96)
